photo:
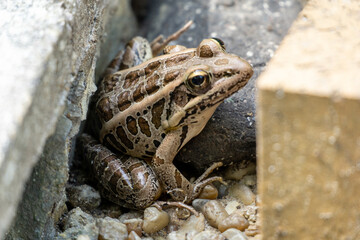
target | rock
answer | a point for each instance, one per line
(83, 196)
(214, 213)
(83, 237)
(134, 225)
(133, 236)
(189, 229)
(78, 224)
(234, 234)
(154, 220)
(77, 218)
(130, 215)
(239, 170)
(57, 45)
(110, 228)
(198, 204)
(242, 193)
(209, 192)
(250, 180)
(208, 235)
(232, 206)
(235, 220)
(252, 230)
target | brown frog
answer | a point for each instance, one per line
(147, 108)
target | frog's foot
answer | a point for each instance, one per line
(165, 204)
(158, 44)
(208, 171)
(201, 182)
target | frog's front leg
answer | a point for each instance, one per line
(174, 183)
(125, 180)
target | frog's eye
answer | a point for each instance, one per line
(220, 42)
(198, 81)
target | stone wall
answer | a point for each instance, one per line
(49, 54)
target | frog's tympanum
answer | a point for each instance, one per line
(147, 108)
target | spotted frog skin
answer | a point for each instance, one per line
(147, 108)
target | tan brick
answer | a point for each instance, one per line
(309, 127)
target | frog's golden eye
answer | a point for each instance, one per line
(198, 81)
(220, 42)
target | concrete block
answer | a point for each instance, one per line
(49, 50)
(308, 127)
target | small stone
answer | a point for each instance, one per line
(208, 235)
(198, 204)
(189, 229)
(134, 225)
(130, 215)
(154, 220)
(238, 171)
(83, 237)
(77, 218)
(232, 206)
(133, 236)
(234, 234)
(250, 180)
(209, 192)
(235, 220)
(214, 213)
(242, 192)
(83, 196)
(110, 228)
(252, 230)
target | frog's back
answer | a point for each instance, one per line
(131, 104)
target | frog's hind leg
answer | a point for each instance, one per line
(125, 180)
(158, 44)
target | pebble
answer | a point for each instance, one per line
(134, 225)
(133, 236)
(192, 226)
(209, 192)
(208, 235)
(242, 193)
(77, 218)
(214, 213)
(130, 215)
(110, 228)
(238, 171)
(252, 230)
(83, 196)
(234, 234)
(234, 220)
(198, 204)
(232, 206)
(154, 220)
(250, 180)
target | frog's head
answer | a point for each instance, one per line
(212, 76)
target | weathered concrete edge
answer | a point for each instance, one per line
(104, 28)
(277, 81)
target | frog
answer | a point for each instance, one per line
(147, 107)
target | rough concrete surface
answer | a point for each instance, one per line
(251, 30)
(308, 127)
(48, 57)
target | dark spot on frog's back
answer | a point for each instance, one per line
(178, 59)
(131, 79)
(138, 95)
(104, 110)
(144, 126)
(151, 85)
(157, 112)
(151, 67)
(171, 76)
(131, 125)
(110, 142)
(123, 137)
(123, 101)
